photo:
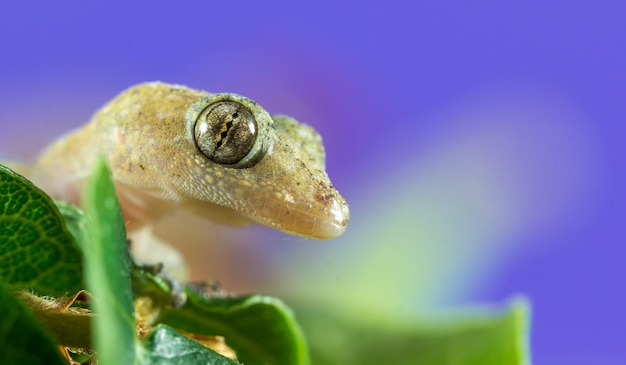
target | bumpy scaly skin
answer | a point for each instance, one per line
(147, 136)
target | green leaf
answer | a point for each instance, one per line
(261, 329)
(493, 337)
(36, 250)
(165, 346)
(107, 271)
(74, 220)
(23, 340)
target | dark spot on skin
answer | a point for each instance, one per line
(323, 186)
(141, 166)
(323, 198)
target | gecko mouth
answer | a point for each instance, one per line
(326, 222)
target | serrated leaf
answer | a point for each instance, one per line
(261, 329)
(493, 338)
(36, 250)
(108, 271)
(166, 346)
(23, 340)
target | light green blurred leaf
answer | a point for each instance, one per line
(74, 220)
(493, 338)
(107, 271)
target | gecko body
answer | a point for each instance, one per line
(221, 156)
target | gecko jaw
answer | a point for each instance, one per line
(336, 226)
(321, 223)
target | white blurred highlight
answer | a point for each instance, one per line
(497, 169)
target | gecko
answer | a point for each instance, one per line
(219, 155)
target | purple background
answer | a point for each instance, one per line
(381, 83)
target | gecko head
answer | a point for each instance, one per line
(267, 169)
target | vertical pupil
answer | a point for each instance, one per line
(224, 133)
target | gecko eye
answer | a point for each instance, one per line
(225, 132)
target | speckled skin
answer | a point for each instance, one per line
(146, 134)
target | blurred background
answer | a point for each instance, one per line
(480, 144)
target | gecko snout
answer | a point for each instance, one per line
(339, 216)
(324, 217)
(328, 222)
